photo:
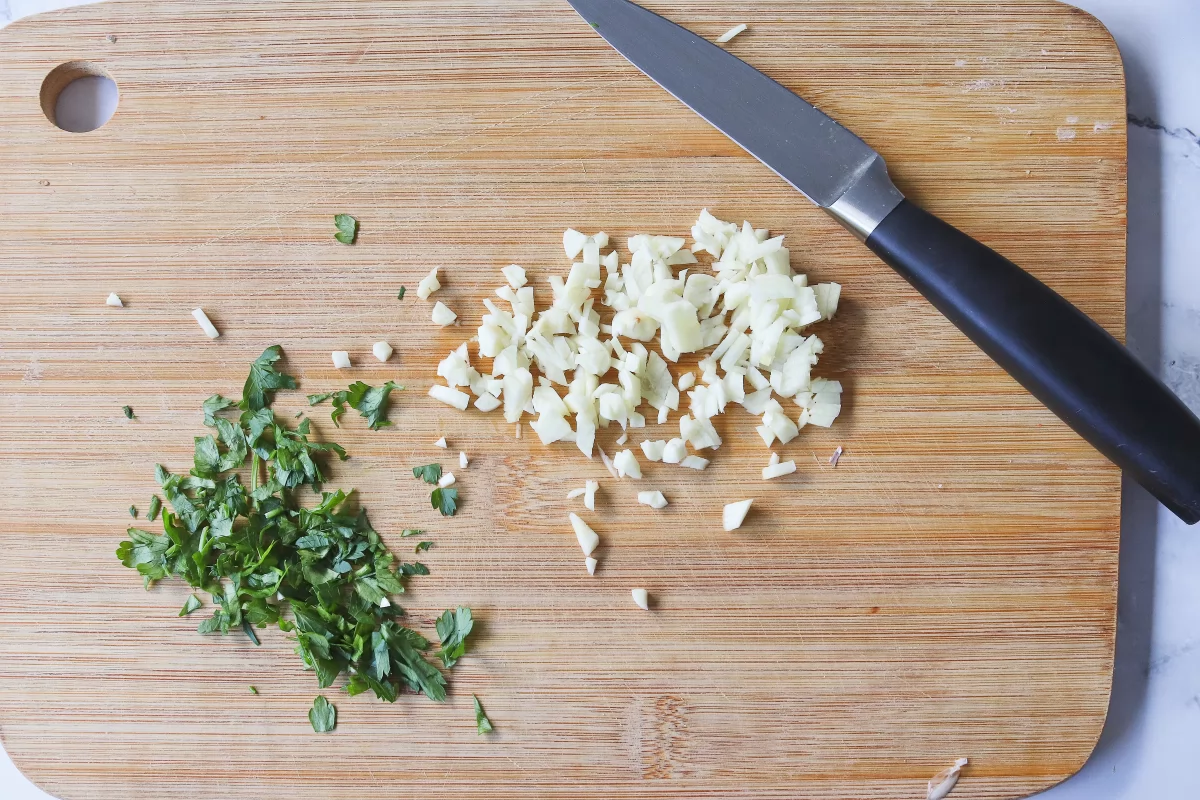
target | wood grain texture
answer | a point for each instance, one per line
(948, 590)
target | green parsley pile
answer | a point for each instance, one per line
(260, 553)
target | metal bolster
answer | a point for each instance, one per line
(868, 201)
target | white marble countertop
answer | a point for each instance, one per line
(1150, 743)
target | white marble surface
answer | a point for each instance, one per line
(1151, 743)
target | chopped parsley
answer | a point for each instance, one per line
(370, 402)
(253, 690)
(411, 532)
(445, 501)
(133, 511)
(347, 228)
(430, 473)
(452, 628)
(191, 605)
(400, 294)
(423, 547)
(482, 723)
(128, 411)
(322, 715)
(155, 507)
(262, 550)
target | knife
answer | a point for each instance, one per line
(1053, 349)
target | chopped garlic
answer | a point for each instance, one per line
(608, 463)
(341, 359)
(590, 563)
(652, 499)
(442, 443)
(571, 495)
(941, 784)
(686, 381)
(463, 461)
(732, 32)
(205, 323)
(573, 242)
(450, 396)
(774, 459)
(694, 462)
(642, 598)
(442, 315)
(446, 480)
(734, 514)
(778, 470)
(114, 301)
(382, 350)
(588, 540)
(622, 439)
(383, 602)
(515, 275)
(837, 456)
(589, 498)
(627, 465)
(654, 450)
(675, 452)
(428, 285)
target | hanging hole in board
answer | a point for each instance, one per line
(79, 96)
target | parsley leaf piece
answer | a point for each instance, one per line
(372, 402)
(264, 379)
(482, 723)
(322, 715)
(445, 501)
(347, 228)
(128, 412)
(206, 458)
(155, 507)
(400, 294)
(212, 406)
(411, 532)
(452, 628)
(191, 605)
(431, 474)
(133, 511)
(253, 690)
(424, 546)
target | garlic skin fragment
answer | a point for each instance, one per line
(114, 301)
(642, 598)
(735, 514)
(588, 540)
(341, 359)
(571, 495)
(382, 350)
(941, 784)
(206, 325)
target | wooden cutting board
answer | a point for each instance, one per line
(947, 590)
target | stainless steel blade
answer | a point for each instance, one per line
(826, 161)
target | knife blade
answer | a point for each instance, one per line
(1066, 360)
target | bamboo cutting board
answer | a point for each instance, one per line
(948, 590)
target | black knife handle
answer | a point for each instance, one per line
(1054, 350)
